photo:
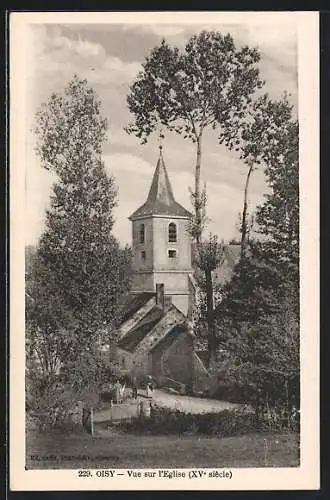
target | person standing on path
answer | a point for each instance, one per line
(149, 388)
(117, 391)
(134, 387)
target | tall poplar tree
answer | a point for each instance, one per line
(82, 270)
(203, 86)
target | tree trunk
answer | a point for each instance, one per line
(198, 208)
(210, 319)
(244, 215)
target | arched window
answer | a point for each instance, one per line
(172, 232)
(141, 233)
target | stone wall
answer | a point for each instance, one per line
(175, 360)
(137, 363)
(161, 245)
(140, 264)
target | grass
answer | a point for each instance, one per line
(57, 450)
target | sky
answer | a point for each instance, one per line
(110, 56)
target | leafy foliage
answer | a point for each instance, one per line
(188, 91)
(263, 359)
(252, 292)
(258, 319)
(209, 256)
(234, 422)
(87, 268)
(210, 253)
(79, 272)
(278, 218)
(207, 84)
(261, 136)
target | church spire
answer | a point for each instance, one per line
(161, 189)
(160, 199)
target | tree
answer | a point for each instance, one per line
(206, 85)
(258, 319)
(47, 343)
(82, 272)
(258, 136)
(263, 360)
(273, 262)
(210, 256)
(250, 296)
(278, 217)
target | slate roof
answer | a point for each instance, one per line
(132, 303)
(143, 327)
(160, 199)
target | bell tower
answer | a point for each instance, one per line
(161, 242)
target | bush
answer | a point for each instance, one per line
(227, 423)
(51, 398)
(166, 421)
(233, 392)
(49, 401)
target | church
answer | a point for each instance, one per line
(155, 336)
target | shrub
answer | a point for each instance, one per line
(166, 421)
(50, 398)
(48, 401)
(226, 423)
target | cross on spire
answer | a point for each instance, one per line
(161, 140)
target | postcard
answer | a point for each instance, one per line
(164, 269)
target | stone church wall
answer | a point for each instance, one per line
(161, 245)
(175, 361)
(145, 262)
(139, 363)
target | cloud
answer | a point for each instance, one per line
(119, 137)
(77, 47)
(54, 58)
(133, 176)
(162, 30)
(115, 71)
(276, 37)
(55, 54)
(127, 163)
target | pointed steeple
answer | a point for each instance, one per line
(160, 199)
(161, 189)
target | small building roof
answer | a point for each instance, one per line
(130, 341)
(160, 199)
(131, 303)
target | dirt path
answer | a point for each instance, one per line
(188, 404)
